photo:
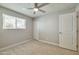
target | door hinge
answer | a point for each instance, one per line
(77, 16)
(77, 45)
(77, 30)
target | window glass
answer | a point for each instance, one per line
(21, 23)
(11, 22)
(8, 22)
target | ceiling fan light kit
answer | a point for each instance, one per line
(35, 9)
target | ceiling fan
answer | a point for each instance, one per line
(36, 8)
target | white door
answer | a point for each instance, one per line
(36, 29)
(67, 31)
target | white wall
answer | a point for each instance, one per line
(8, 37)
(46, 27)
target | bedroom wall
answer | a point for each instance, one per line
(46, 27)
(9, 37)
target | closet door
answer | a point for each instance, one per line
(36, 29)
(67, 31)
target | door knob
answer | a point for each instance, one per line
(60, 32)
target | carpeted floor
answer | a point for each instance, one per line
(35, 47)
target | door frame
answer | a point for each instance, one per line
(76, 35)
(77, 32)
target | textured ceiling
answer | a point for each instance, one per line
(52, 7)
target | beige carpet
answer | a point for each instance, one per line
(35, 47)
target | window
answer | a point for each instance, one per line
(11, 22)
(8, 22)
(21, 23)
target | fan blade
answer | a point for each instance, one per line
(42, 10)
(29, 8)
(43, 5)
(36, 4)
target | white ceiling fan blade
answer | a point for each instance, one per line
(42, 10)
(43, 5)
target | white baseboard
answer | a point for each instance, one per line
(54, 44)
(13, 45)
(48, 42)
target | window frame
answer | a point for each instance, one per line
(16, 18)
